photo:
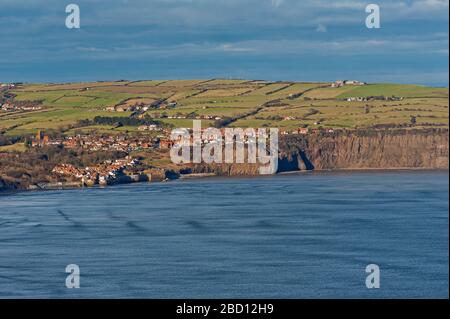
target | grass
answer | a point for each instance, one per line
(186, 123)
(213, 111)
(400, 90)
(146, 83)
(328, 93)
(47, 97)
(225, 82)
(18, 147)
(66, 104)
(269, 88)
(51, 119)
(181, 83)
(223, 92)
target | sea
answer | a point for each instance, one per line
(303, 235)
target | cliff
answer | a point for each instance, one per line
(368, 149)
(388, 149)
(7, 185)
(413, 149)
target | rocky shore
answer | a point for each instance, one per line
(353, 150)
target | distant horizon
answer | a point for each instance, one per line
(219, 78)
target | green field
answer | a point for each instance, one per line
(18, 147)
(410, 91)
(286, 105)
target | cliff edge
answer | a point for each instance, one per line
(412, 149)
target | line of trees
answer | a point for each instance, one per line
(8, 140)
(125, 121)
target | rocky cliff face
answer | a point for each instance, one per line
(402, 149)
(7, 185)
(226, 169)
(425, 149)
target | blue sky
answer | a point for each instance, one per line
(304, 40)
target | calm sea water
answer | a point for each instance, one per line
(296, 236)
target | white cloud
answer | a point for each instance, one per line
(276, 3)
(216, 14)
(152, 29)
(322, 28)
(355, 5)
(231, 48)
(433, 4)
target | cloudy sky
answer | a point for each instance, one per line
(308, 40)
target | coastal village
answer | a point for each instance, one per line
(103, 133)
(97, 142)
(124, 170)
(126, 143)
(7, 103)
(108, 173)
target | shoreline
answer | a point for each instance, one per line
(201, 176)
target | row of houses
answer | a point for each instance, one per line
(141, 107)
(341, 83)
(249, 137)
(9, 107)
(97, 142)
(105, 173)
(151, 128)
(108, 143)
(373, 98)
(124, 108)
(122, 143)
(306, 131)
(128, 144)
(196, 117)
(8, 86)
(128, 108)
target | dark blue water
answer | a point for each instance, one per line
(297, 236)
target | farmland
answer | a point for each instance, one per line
(287, 105)
(71, 126)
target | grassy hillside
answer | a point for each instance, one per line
(286, 105)
(410, 91)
